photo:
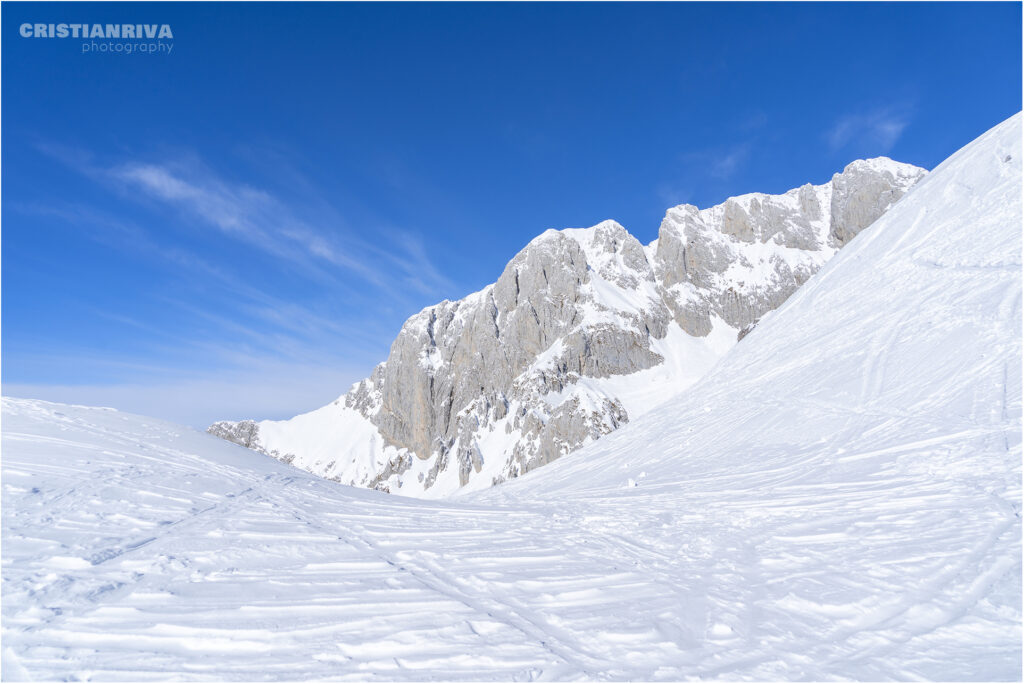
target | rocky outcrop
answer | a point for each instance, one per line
(744, 257)
(863, 192)
(244, 432)
(458, 366)
(584, 329)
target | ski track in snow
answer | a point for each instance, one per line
(148, 550)
(839, 498)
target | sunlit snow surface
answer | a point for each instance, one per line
(839, 498)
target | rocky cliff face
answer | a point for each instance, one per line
(584, 329)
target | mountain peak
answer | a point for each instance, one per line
(585, 330)
(607, 231)
(883, 164)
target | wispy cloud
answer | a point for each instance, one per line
(265, 221)
(394, 260)
(240, 308)
(725, 163)
(235, 210)
(719, 164)
(222, 337)
(874, 131)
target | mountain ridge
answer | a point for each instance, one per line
(585, 329)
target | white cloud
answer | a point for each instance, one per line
(725, 164)
(232, 210)
(239, 211)
(875, 131)
(239, 306)
(316, 239)
(718, 163)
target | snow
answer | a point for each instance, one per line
(334, 440)
(838, 498)
(687, 359)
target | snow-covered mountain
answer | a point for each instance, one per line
(585, 330)
(840, 498)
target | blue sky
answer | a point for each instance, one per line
(238, 228)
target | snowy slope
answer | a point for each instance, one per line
(858, 454)
(839, 498)
(585, 330)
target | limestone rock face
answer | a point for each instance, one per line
(457, 367)
(744, 257)
(863, 192)
(584, 330)
(244, 432)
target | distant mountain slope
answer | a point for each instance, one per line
(585, 330)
